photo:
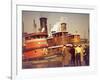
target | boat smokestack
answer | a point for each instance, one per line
(43, 24)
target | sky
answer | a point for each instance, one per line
(76, 22)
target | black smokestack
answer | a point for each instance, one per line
(43, 24)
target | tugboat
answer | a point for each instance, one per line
(39, 48)
(35, 44)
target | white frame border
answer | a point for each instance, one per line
(18, 73)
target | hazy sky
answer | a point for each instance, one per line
(76, 21)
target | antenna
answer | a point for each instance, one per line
(34, 25)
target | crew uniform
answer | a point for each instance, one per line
(78, 52)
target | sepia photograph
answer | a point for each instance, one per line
(55, 39)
